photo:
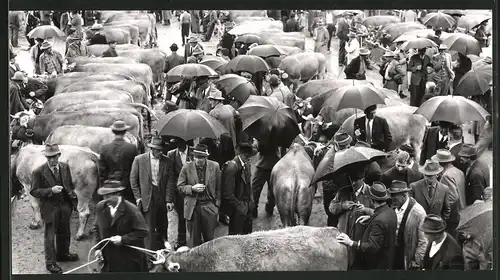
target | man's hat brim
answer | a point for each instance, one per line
(105, 191)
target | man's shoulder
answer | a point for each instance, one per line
(417, 184)
(213, 163)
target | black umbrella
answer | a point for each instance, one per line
(248, 63)
(237, 87)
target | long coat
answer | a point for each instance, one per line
(440, 202)
(195, 21)
(237, 188)
(352, 69)
(321, 40)
(430, 144)
(418, 75)
(130, 225)
(189, 178)
(414, 238)
(448, 257)
(381, 134)
(477, 178)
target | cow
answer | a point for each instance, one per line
(82, 60)
(235, 14)
(146, 30)
(375, 21)
(326, 123)
(98, 49)
(278, 37)
(67, 98)
(300, 248)
(118, 35)
(92, 137)
(302, 67)
(56, 84)
(136, 89)
(83, 165)
(291, 184)
(132, 29)
(245, 19)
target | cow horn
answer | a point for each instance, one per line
(173, 267)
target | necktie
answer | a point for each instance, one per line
(431, 188)
(56, 172)
(368, 132)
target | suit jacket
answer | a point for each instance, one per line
(430, 144)
(418, 75)
(409, 176)
(189, 177)
(98, 39)
(381, 135)
(353, 68)
(292, 25)
(173, 60)
(175, 156)
(17, 101)
(376, 250)
(440, 202)
(448, 257)
(116, 161)
(454, 179)
(140, 179)
(477, 178)
(415, 241)
(110, 53)
(454, 151)
(42, 183)
(342, 29)
(237, 192)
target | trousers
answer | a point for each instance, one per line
(58, 230)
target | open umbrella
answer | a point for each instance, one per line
(248, 39)
(333, 162)
(237, 87)
(353, 96)
(462, 43)
(473, 58)
(191, 70)
(452, 108)
(247, 63)
(441, 20)
(470, 22)
(213, 62)
(190, 124)
(476, 81)
(46, 31)
(418, 43)
(453, 12)
(476, 220)
(265, 51)
(269, 120)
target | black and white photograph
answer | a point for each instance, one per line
(163, 141)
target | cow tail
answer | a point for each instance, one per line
(295, 195)
(95, 196)
(145, 102)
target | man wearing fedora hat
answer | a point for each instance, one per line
(35, 53)
(227, 115)
(202, 92)
(52, 184)
(341, 32)
(477, 175)
(152, 179)
(200, 182)
(51, 61)
(191, 46)
(123, 223)
(418, 67)
(373, 129)
(443, 251)
(375, 249)
(443, 64)
(94, 35)
(116, 159)
(435, 138)
(401, 171)
(174, 59)
(17, 101)
(185, 21)
(13, 65)
(280, 91)
(430, 193)
(356, 69)
(111, 51)
(75, 48)
(411, 241)
(321, 37)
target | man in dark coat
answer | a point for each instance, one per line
(477, 174)
(342, 31)
(418, 68)
(373, 130)
(52, 184)
(111, 51)
(14, 27)
(116, 159)
(227, 40)
(121, 221)
(291, 24)
(455, 143)
(430, 193)
(375, 250)
(151, 180)
(31, 24)
(213, 18)
(356, 69)
(34, 87)
(173, 59)
(401, 171)
(237, 196)
(96, 38)
(435, 138)
(443, 251)
(373, 172)
(17, 101)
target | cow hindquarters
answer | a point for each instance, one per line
(304, 202)
(85, 186)
(284, 196)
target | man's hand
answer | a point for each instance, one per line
(117, 240)
(198, 188)
(57, 189)
(344, 239)
(170, 206)
(138, 201)
(347, 205)
(363, 219)
(98, 254)
(32, 94)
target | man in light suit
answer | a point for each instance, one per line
(151, 179)
(200, 182)
(373, 130)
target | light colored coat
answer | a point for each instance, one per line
(414, 238)
(454, 178)
(321, 38)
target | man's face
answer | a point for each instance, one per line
(430, 69)
(398, 199)
(113, 46)
(156, 152)
(444, 130)
(53, 160)
(431, 237)
(465, 160)
(371, 114)
(401, 166)
(431, 179)
(213, 103)
(112, 198)
(199, 160)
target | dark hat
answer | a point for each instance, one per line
(468, 150)
(409, 149)
(29, 133)
(444, 156)
(370, 108)
(245, 144)
(398, 186)
(431, 168)
(169, 106)
(201, 150)
(119, 126)
(174, 47)
(433, 224)
(274, 80)
(51, 149)
(378, 192)
(342, 138)
(362, 144)
(109, 187)
(156, 143)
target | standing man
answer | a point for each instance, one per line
(33, 87)
(151, 179)
(121, 221)
(477, 174)
(291, 24)
(14, 26)
(268, 157)
(116, 159)
(77, 23)
(455, 143)
(418, 68)
(356, 69)
(321, 38)
(430, 193)
(17, 101)
(227, 115)
(193, 45)
(51, 61)
(442, 61)
(75, 49)
(330, 26)
(65, 22)
(32, 23)
(200, 182)
(185, 21)
(435, 138)
(52, 184)
(35, 53)
(111, 51)
(173, 59)
(376, 246)
(411, 241)
(214, 19)
(373, 130)
(443, 251)
(401, 171)
(237, 196)
(342, 31)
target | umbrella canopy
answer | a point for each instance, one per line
(463, 43)
(476, 81)
(248, 39)
(269, 120)
(237, 87)
(248, 63)
(191, 70)
(471, 21)
(341, 12)
(418, 43)
(46, 31)
(452, 108)
(213, 62)
(473, 58)
(333, 162)
(453, 12)
(353, 96)
(265, 51)
(441, 20)
(190, 124)
(477, 220)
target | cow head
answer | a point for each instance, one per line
(168, 264)
(314, 127)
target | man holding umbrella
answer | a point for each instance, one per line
(477, 175)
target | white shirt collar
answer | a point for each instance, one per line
(410, 166)
(441, 136)
(113, 209)
(436, 246)
(405, 205)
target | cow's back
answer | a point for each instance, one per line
(98, 49)
(137, 90)
(141, 72)
(81, 60)
(67, 98)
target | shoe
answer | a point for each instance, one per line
(68, 258)
(54, 268)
